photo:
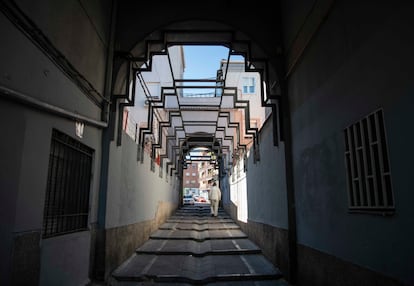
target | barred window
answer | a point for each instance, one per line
(367, 166)
(68, 186)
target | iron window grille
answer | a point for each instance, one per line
(68, 186)
(368, 167)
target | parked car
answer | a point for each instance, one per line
(188, 200)
(201, 200)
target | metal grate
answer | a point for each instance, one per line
(68, 186)
(367, 165)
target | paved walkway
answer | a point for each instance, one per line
(193, 248)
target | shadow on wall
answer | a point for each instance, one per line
(272, 241)
(122, 241)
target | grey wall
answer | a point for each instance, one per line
(24, 68)
(28, 70)
(359, 60)
(267, 223)
(24, 201)
(78, 29)
(266, 185)
(9, 180)
(71, 265)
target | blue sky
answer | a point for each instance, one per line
(203, 61)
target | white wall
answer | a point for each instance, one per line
(134, 192)
(238, 193)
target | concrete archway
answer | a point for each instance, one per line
(249, 36)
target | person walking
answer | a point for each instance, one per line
(214, 197)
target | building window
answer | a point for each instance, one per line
(68, 186)
(187, 182)
(367, 166)
(193, 174)
(249, 85)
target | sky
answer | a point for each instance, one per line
(203, 61)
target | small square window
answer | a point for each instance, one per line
(249, 85)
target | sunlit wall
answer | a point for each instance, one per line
(238, 190)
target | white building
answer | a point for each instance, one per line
(152, 81)
(249, 88)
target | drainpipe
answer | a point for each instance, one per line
(98, 268)
(312, 24)
(292, 234)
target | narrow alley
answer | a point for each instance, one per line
(116, 114)
(192, 247)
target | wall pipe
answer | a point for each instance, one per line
(14, 95)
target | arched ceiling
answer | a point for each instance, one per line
(148, 28)
(137, 20)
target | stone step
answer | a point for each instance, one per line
(278, 282)
(196, 270)
(192, 247)
(195, 210)
(198, 235)
(198, 215)
(199, 227)
(198, 210)
(209, 219)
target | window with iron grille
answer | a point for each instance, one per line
(367, 166)
(68, 186)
